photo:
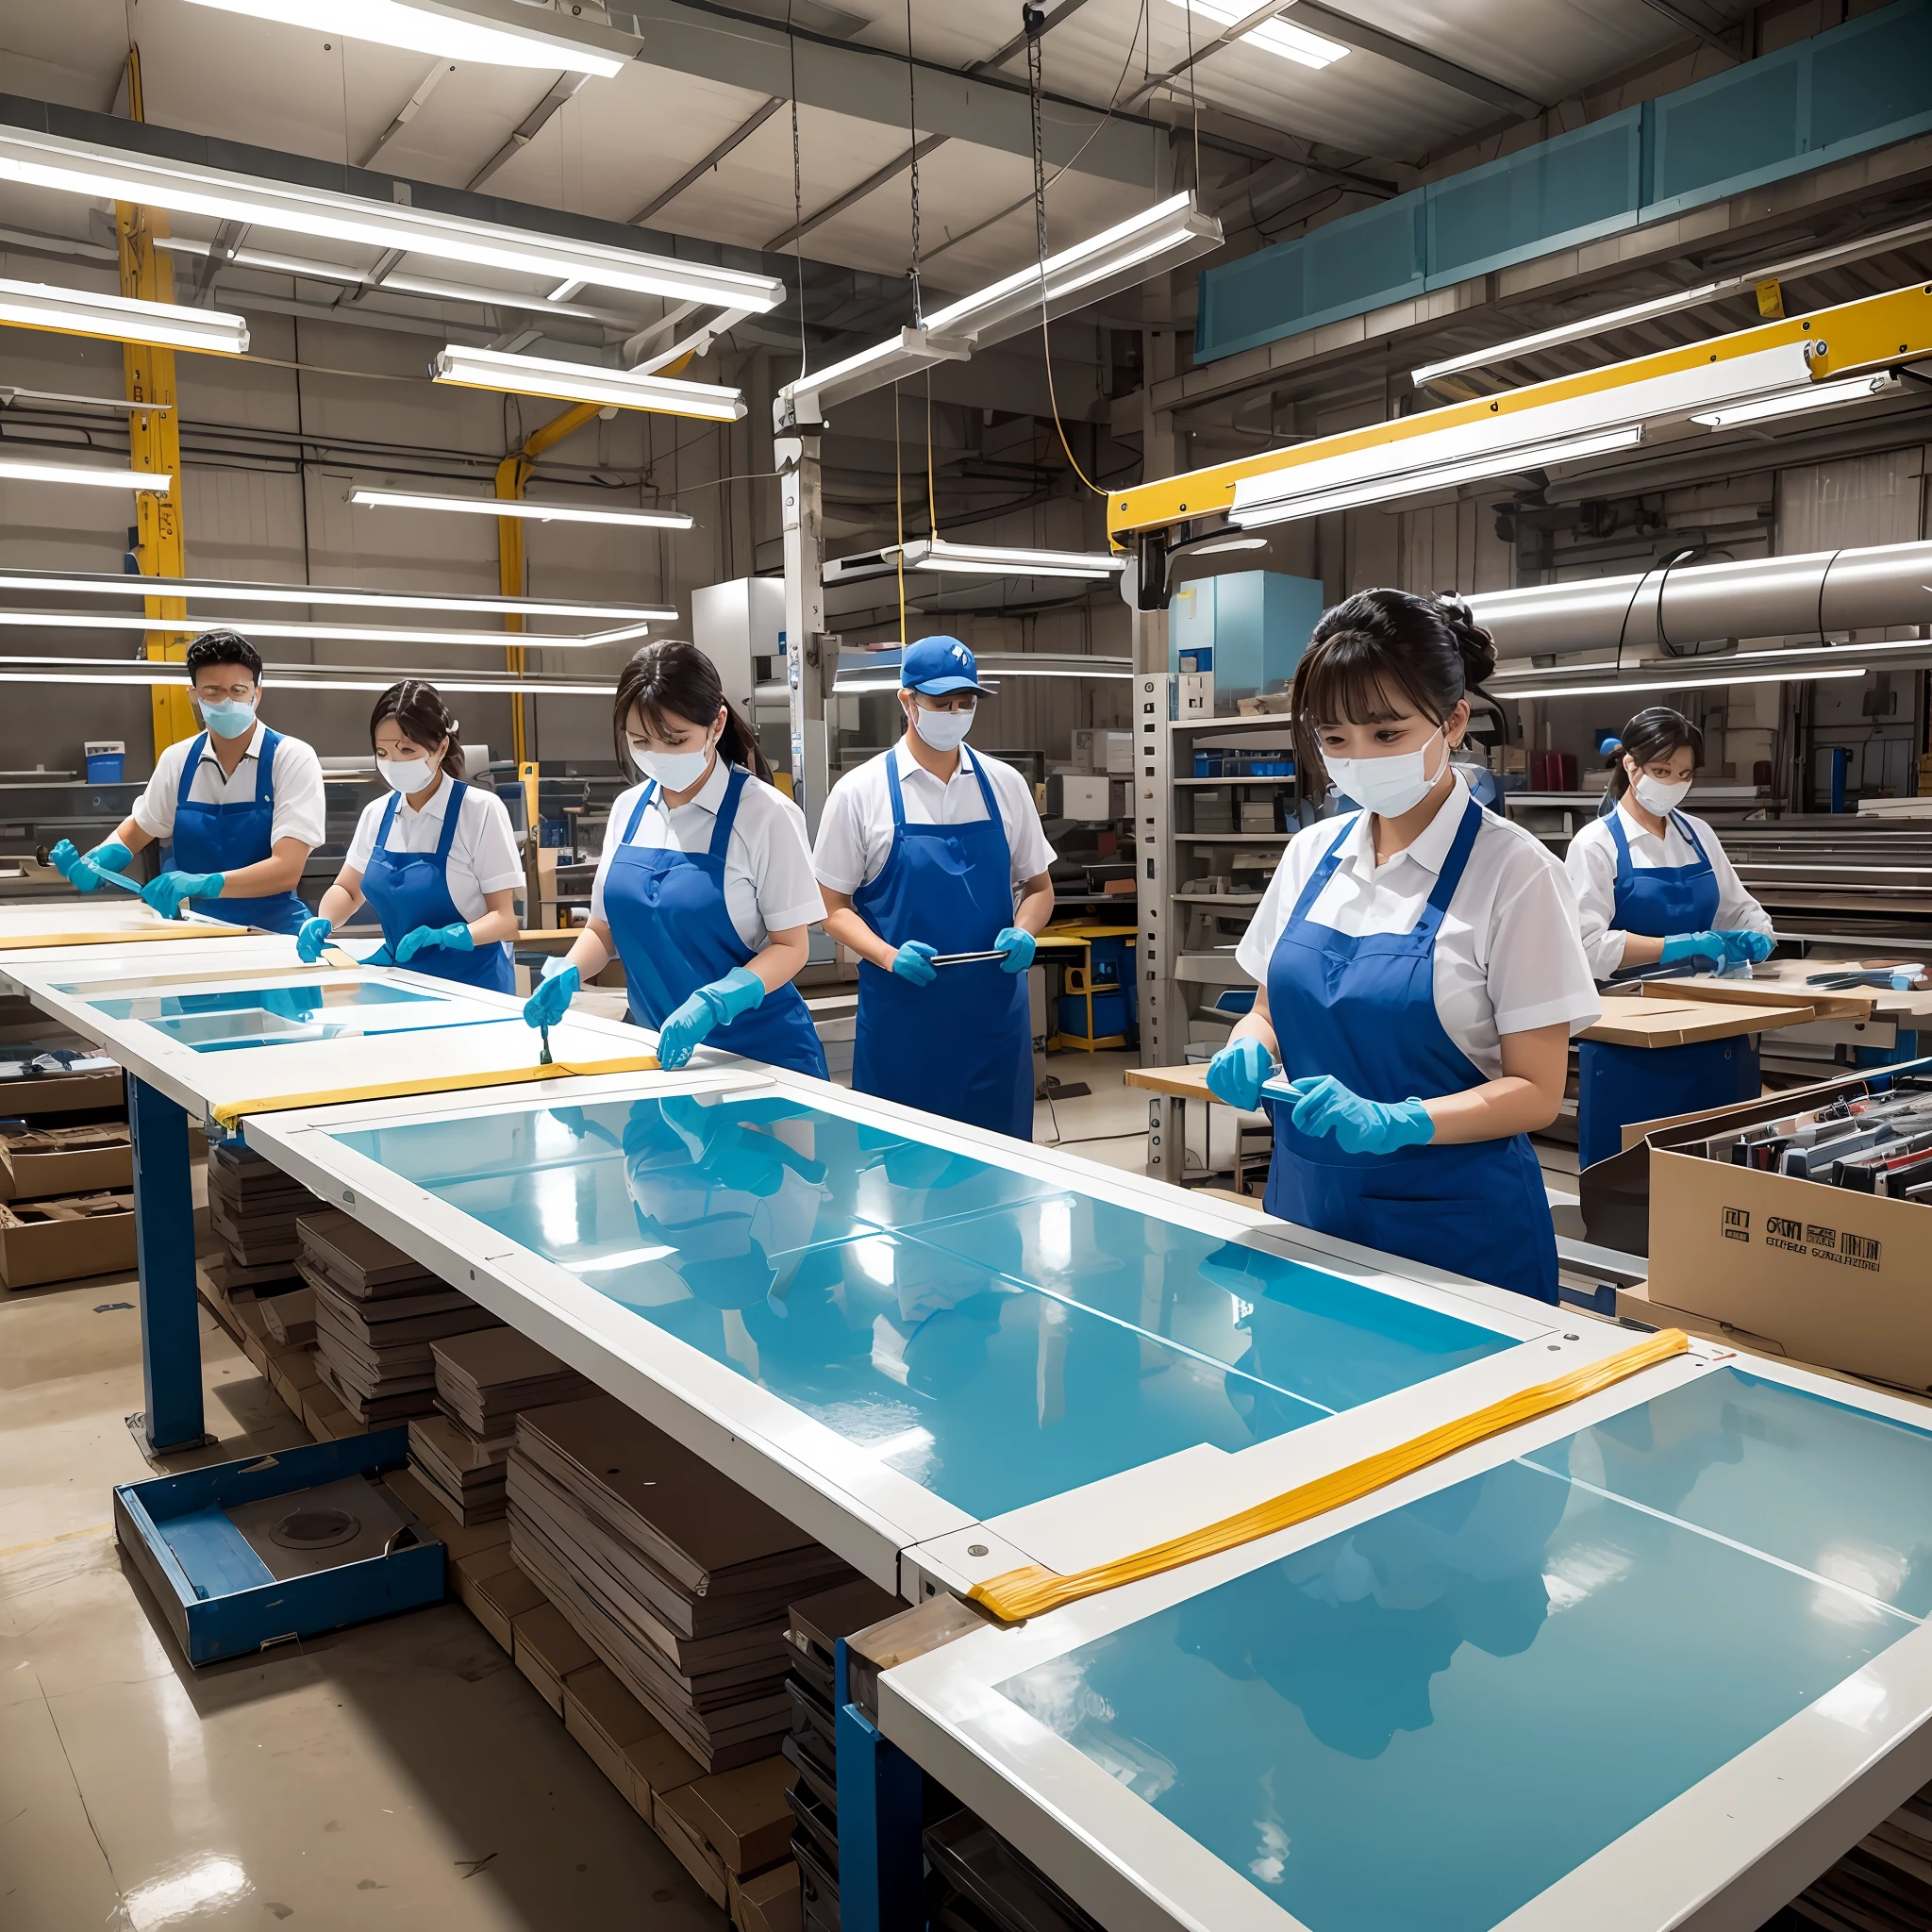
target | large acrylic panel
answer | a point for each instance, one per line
(986, 1333)
(291, 1015)
(1431, 1718)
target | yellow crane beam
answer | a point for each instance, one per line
(1869, 334)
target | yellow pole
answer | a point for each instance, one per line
(154, 442)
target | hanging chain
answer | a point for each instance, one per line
(1034, 21)
(913, 134)
(797, 191)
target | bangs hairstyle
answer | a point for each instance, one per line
(673, 679)
(1380, 647)
(424, 718)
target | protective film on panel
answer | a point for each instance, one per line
(288, 1015)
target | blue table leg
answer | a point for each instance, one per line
(164, 1247)
(881, 1820)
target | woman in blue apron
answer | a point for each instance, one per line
(904, 890)
(705, 889)
(1653, 888)
(436, 858)
(1418, 966)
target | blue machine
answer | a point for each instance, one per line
(1617, 1084)
(1249, 628)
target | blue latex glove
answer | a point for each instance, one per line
(1235, 1073)
(455, 938)
(711, 1006)
(1749, 948)
(1017, 943)
(547, 1006)
(83, 871)
(167, 893)
(1323, 1105)
(312, 938)
(1694, 945)
(913, 962)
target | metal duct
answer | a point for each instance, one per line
(1829, 591)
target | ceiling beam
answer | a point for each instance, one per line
(1730, 49)
(529, 128)
(698, 170)
(1375, 39)
(852, 196)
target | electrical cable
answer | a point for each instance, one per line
(899, 515)
(798, 190)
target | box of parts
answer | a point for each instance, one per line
(1795, 1219)
(64, 1160)
(66, 1240)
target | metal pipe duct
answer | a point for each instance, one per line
(1829, 591)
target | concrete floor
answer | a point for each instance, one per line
(400, 1774)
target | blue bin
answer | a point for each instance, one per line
(106, 767)
(1109, 1014)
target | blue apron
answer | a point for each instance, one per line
(1364, 1009)
(961, 1048)
(224, 838)
(1617, 1084)
(666, 912)
(411, 889)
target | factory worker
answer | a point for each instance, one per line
(241, 804)
(927, 850)
(1653, 883)
(1419, 969)
(704, 887)
(435, 857)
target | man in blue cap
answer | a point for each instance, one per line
(925, 850)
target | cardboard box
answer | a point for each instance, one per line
(658, 1766)
(604, 1717)
(65, 1160)
(497, 1598)
(66, 1240)
(768, 1902)
(547, 1650)
(102, 1093)
(741, 1815)
(1820, 1273)
(691, 1851)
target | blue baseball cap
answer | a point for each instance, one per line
(937, 666)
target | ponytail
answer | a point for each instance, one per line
(1652, 734)
(674, 677)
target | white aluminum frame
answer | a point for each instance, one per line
(1720, 1857)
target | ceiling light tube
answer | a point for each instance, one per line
(431, 29)
(1443, 477)
(1496, 688)
(522, 506)
(171, 674)
(1815, 396)
(583, 382)
(83, 167)
(213, 590)
(1001, 561)
(1278, 36)
(121, 318)
(120, 405)
(22, 471)
(255, 627)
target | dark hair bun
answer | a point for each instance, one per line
(1475, 646)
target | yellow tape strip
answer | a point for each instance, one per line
(1018, 1594)
(15, 942)
(231, 1115)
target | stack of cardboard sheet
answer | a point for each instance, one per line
(376, 1313)
(252, 1207)
(676, 1577)
(484, 1379)
(1883, 1884)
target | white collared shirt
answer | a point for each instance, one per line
(769, 885)
(1507, 957)
(300, 810)
(482, 853)
(1591, 864)
(856, 833)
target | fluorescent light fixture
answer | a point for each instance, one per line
(1496, 690)
(1278, 36)
(173, 674)
(1420, 482)
(346, 633)
(278, 264)
(1816, 395)
(120, 405)
(85, 167)
(447, 34)
(1223, 549)
(1000, 560)
(213, 590)
(121, 318)
(521, 506)
(1162, 237)
(583, 382)
(20, 472)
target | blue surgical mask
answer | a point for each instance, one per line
(229, 719)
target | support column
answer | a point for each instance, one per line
(164, 1251)
(810, 656)
(881, 1823)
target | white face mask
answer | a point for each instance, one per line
(406, 775)
(942, 730)
(1387, 786)
(675, 771)
(1654, 795)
